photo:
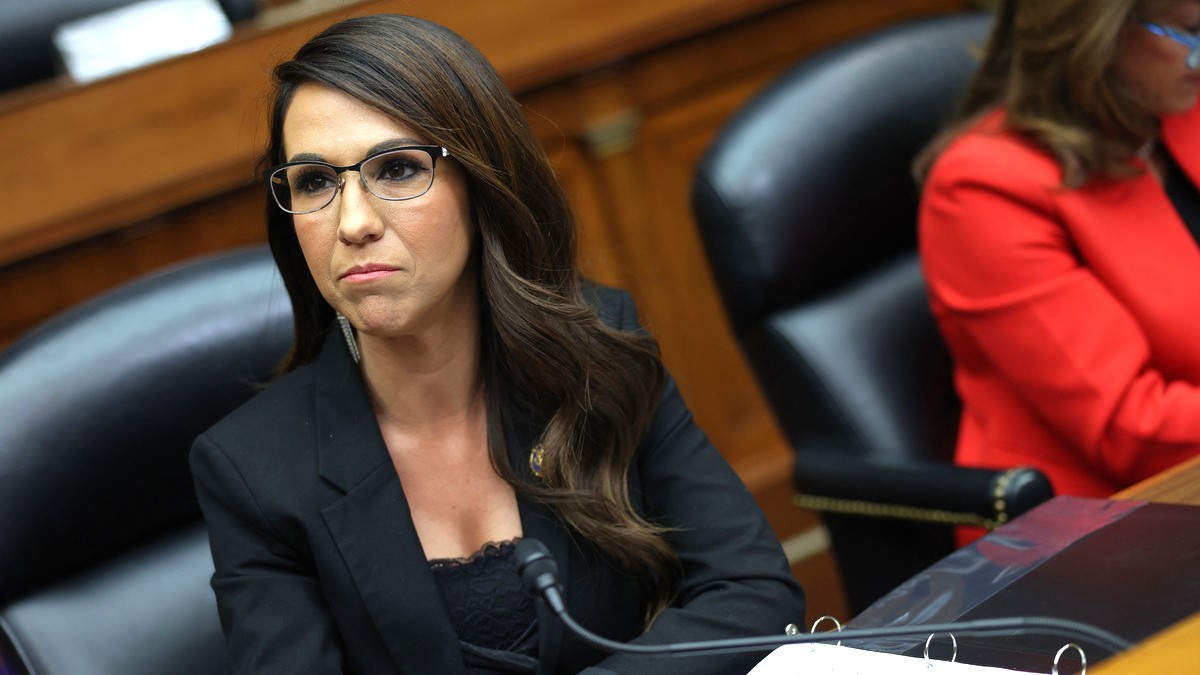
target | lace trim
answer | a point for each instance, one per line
(492, 549)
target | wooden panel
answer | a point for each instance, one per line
(821, 581)
(35, 289)
(151, 145)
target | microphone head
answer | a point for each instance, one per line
(536, 566)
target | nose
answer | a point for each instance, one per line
(358, 221)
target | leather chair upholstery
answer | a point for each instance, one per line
(104, 559)
(807, 209)
(27, 29)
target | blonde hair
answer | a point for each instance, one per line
(1049, 65)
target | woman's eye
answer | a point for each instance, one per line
(398, 170)
(312, 182)
(1189, 22)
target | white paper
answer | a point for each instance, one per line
(139, 34)
(824, 659)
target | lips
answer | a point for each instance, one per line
(368, 272)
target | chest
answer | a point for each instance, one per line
(457, 501)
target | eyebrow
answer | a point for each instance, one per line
(390, 144)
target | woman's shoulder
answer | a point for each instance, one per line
(990, 152)
(265, 455)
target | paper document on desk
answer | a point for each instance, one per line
(823, 659)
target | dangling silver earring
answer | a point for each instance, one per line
(348, 333)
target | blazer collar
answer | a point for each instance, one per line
(350, 445)
(373, 528)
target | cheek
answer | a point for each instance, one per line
(439, 235)
(1153, 71)
(316, 250)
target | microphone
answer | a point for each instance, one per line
(539, 574)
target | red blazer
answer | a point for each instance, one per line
(1073, 316)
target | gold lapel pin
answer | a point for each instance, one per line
(536, 455)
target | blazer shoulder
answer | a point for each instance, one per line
(991, 155)
(614, 306)
(286, 399)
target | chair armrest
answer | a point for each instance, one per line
(916, 490)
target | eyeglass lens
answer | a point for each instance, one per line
(395, 175)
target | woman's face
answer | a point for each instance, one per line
(1154, 66)
(394, 268)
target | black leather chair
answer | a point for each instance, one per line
(807, 207)
(104, 560)
(27, 52)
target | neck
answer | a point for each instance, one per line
(420, 382)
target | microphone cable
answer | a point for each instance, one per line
(539, 573)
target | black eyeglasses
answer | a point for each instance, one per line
(393, 175)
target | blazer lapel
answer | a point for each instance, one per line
(539, 522)
(1130, 231)
(372, 526)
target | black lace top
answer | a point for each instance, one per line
(495, 619)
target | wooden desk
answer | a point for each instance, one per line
(1179, 485)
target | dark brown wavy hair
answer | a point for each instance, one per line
(1049, 64)
(546, 356)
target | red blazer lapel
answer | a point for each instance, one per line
(1129, 232)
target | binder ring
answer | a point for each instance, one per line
(829, 618)
(953, 641)
(1082, 658)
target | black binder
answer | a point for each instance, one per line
(1130, 567)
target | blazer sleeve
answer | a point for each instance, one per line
(736, 581)
(271, 607)
(1018, 304)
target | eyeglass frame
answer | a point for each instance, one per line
(1189, 40)
(435, 151)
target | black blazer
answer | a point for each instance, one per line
(319, 569)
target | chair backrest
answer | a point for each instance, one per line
(104, 561)
(807, 207)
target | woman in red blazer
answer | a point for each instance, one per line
(1057, 232)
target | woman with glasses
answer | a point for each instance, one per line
(454, 386)
(1058, 234)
